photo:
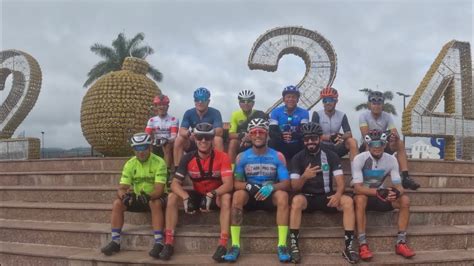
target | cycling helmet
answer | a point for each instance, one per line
(375, 134)
(204, 129)
(376, 96)
(311, 128)
(161, 100)
(258, 123)
(290, 89)
(246, 95)
(140, 139)
(328, 92)
(202, 94)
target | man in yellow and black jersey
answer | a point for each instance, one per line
(143, 188)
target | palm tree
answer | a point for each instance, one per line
(387, 107)
(115, 55)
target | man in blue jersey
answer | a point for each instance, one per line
(261, 182)
(285, 124)
(200, 113)
(370, 170)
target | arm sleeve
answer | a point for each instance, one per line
(217, 119)
(345, 124)
(281, 168)
(239, 170)
(161, 172)
(315, 117)
(395, 173)
(363, 120)
(356, 168)
(127, 175)
(185, 122)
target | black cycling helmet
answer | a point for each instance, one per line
(204, 129)
(311, 128)
(376, 96)
(375, 134)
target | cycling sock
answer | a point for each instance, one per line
(282, 235)
(294, 235)
(235, 234)
(169, 240)
(158, 236)
(402, 237)
(223, 239)
(349, 238)
(116, 235)
(362, 239)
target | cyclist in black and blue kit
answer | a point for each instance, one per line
(285, 124)
(261, 182)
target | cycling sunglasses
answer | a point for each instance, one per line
(376, 100)
(246, 101)
(200, 99)
(312, 138)
(376, 143)
(140, 147)
(203, 137)
(257, 131)
(329, 100)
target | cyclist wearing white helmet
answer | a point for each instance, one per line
(143, 188)
(239, 140)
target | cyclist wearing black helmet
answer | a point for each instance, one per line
(378, 119)
(312, 172)
(211, 175)
(370, 170)
(142, 188)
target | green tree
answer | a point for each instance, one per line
(115, 55)
(387, 107)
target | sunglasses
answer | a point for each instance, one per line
(201, 100)
(313, 138)
(376, 100)
(203, 137)
(329, 100)
(246, 101)
(257, 131)
(376, 143)
(140, 147)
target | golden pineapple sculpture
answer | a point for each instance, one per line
(117, 106)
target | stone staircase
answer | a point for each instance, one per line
(57, 212)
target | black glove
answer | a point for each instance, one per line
(334, 137)
(189, 206)
(160, 142)
(252, 189)
(143, 198)
(128, 199)
(382, 193)
(397, 192)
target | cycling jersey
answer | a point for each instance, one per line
(239, 120)
(143, 176)
(372, 173)
(383, 123)
(162, 128)
(261, 169)
(331, 124)
(191, 118)
(289, 123)
(206, 174)
(322, 182)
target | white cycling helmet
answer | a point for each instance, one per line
(246, 95)
(258, 123)
(140, 139)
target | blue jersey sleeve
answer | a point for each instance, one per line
(186, 119)
(217, 119)
(304, 117)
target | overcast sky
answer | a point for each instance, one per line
(387, 45)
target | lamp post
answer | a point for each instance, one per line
(42, 144)
(404, 97)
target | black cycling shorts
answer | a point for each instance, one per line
(340, 149)
(196, 199)
(287, 149)
(318, 202)
(140, 207)
(255, 205)
(376, 204)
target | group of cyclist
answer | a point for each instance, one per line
(284, 162)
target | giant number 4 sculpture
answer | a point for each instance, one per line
(450, 76)
(315, 50)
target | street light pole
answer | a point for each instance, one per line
(404, 98)
(42, 144)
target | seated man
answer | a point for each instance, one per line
(285, 124)
(200, 113)
(332, 121)
(163, 128)
(261, 183)
(142, 188)
(369, 171)
(211, 174)
(376, 118)
(239, 139)
(312, 170)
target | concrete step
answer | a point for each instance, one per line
(106, 194)
(254, 239)
(60, 178)
(31, 254)
(100, 213)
